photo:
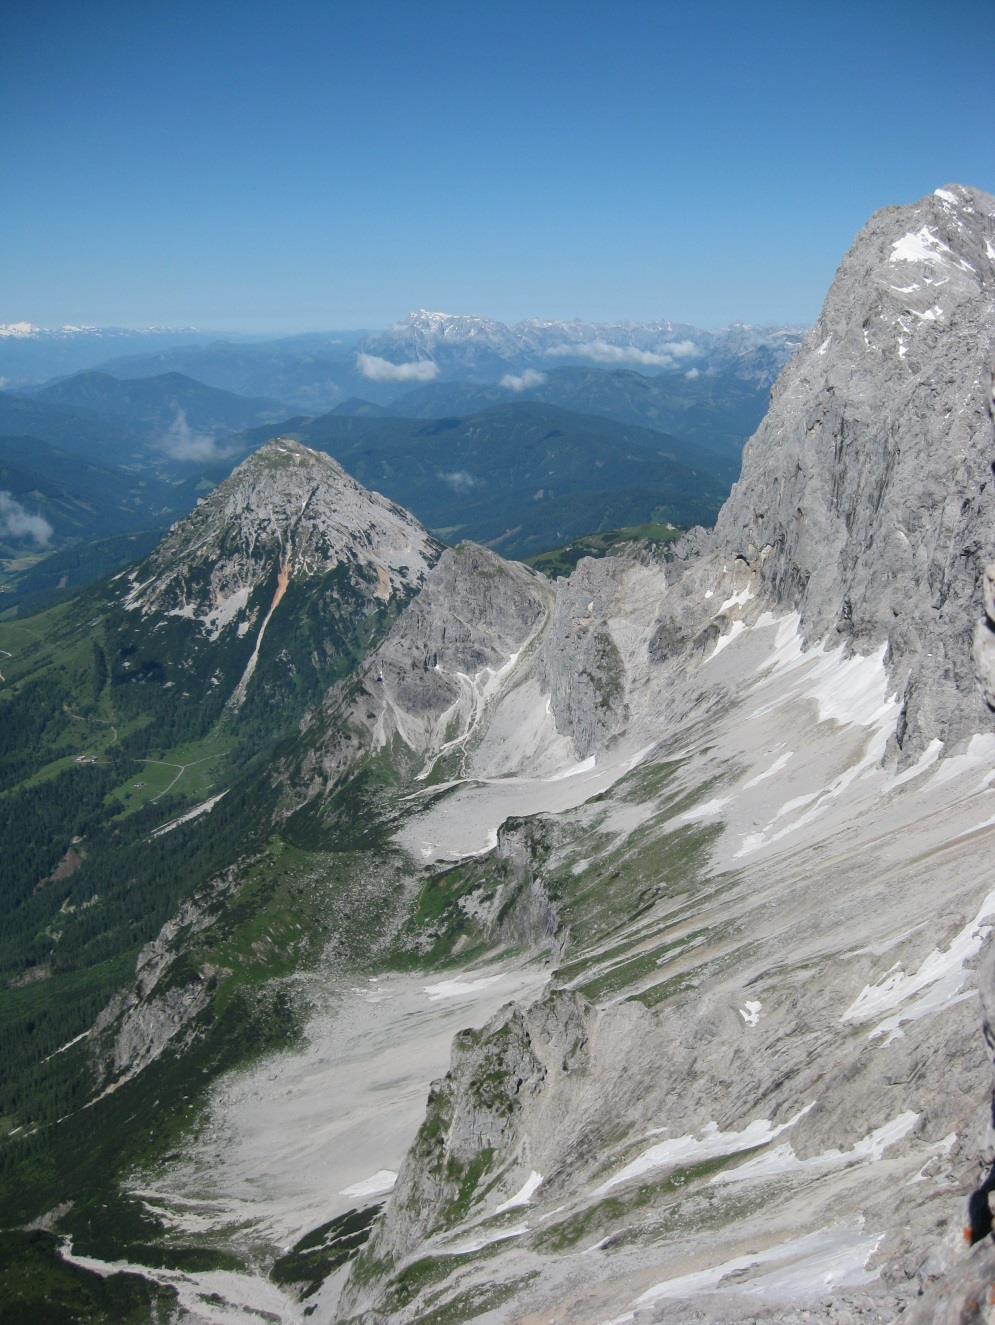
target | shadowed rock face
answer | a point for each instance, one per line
(865, 497)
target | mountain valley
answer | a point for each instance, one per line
(399, 932)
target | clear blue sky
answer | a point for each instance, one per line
(308, 165)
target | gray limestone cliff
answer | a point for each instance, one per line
(865, 497)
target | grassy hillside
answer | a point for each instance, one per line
(561, 561)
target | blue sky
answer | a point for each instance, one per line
(311, 165)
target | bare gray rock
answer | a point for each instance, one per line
(865, 497)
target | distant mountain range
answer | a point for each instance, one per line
(522, 437)
(716, 411)
(317, 371)
(108, 419)
(484, 348)
(156, 401)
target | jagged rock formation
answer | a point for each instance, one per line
(865, 498)
(136, 1026)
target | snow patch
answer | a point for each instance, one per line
(737, 628)
(779, 763)
(483, 1240)
(783, 1159)
(692, 1149)
(467, 988)
(939, 982)
(377, 1184)
(925, 246)
(750, 1012)
(807, 1267)
(524, 1195)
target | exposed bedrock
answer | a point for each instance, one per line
(865, 498)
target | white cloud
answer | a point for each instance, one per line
(182, 443)
(382, 370)
(693, 374)
(600, 351)
(681, 349)
(460, 480)
(16, 522)
(524, 380)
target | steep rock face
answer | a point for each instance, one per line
(509, 1079)
(582, 664)
(863, 498)
(137, 1024)
(984, 640)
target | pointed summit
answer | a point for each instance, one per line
(288, 522)
(288, 506)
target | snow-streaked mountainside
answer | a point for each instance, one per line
(632, 918)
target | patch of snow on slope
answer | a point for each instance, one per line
(924, 246)
(737, 628)
(376, 1185)
(704, 811)
(750, 1012)
(482, 1240)
(738, 599)
(939, 981)
(805, 1268)
(783, 1159)
(925, 761)
(465, 988)
(854, 690)
(524, 1195)
(692, 1149)
(584, 766)
(781, 762)
(225, 611)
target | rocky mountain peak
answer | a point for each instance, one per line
(285, 505)
(861, 498)
(288, 520)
